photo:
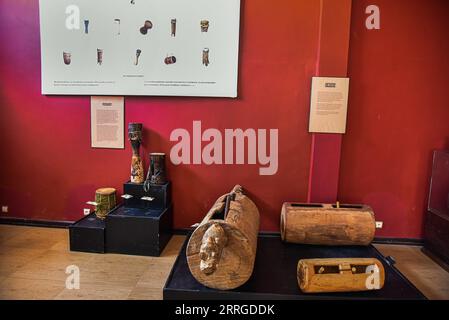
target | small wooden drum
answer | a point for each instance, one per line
(170, 60)
(106, 201)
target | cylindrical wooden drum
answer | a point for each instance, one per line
(170, 60)
(156, 171)
(222, 250)
(106, 201)
(327, 224)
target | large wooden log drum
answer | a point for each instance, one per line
(327, 224)
(105, 199)
(135, 137)
(222, 250)
(340, 275)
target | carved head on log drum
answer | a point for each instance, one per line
(222, 250)
(135, 137)
(213, 242)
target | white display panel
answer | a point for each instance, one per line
(206, 58)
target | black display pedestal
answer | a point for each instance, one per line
(274, 276)
(138, 231)
(88, 235)
(160, 193)
(139, 227)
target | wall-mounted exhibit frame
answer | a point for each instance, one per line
(151, 47)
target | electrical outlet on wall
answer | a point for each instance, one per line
(5, 209)
(86, 212)
(379, 224)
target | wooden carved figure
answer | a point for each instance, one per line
(135, 137)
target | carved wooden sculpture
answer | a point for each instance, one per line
(138, 53)
(99, 56)
(135, 137)
(340, 275)
(86, 26)
(173, 27)
(222, 250)
(206, 57)
(326, 224)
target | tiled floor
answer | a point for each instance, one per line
(33, 262)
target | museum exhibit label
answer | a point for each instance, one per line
(328, 105)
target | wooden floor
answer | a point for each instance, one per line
(33, 263)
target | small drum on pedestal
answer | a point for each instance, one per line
(105, 199)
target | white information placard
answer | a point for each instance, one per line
(107, 122)
(140, 47)
(329, 105)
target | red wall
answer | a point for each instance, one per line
(398, 112)
(397, 115)
(49, 171)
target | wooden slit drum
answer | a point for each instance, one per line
(327, 224)
(340, 275)
(222, 249)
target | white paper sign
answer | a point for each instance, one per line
(107, 122)
(329, 105)
(140, 47)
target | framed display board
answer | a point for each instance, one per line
(140, 47)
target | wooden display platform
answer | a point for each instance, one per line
(274, 276)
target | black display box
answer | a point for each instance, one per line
(274, 276)
(88, 234)
(138, 231)
(160, 193)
